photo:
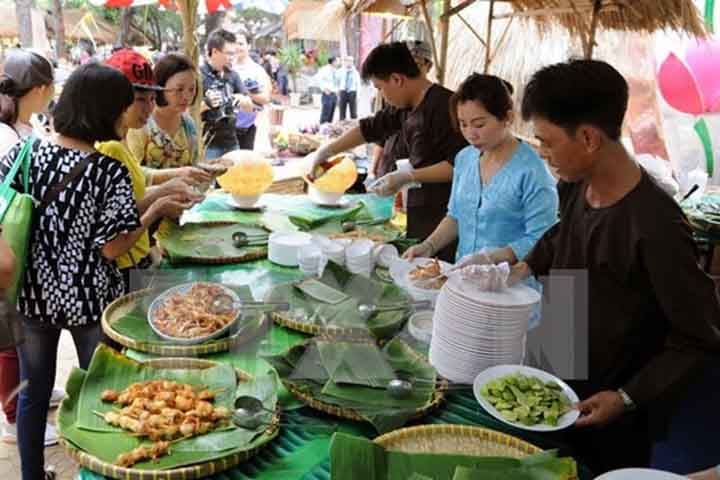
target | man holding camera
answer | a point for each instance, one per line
(224, 94)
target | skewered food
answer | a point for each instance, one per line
(163, 411)
(191, 314)
(358, 234)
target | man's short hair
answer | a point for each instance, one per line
(578, 92)
(389, 58)
(218, 38)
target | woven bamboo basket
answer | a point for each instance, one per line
(289, 186)
(456, 439)
(126, 303)
(303, 144)
(183, 473)
(248, 257)
(351, 414)
(312, 329)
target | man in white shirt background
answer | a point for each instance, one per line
(327, 80)
(259, 87)
(349, 79)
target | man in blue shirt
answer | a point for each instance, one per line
(349, 79)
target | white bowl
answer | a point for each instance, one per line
(421, 325)
(384, 254)
(283, 248)
(639, 474)
(245, 201)
(324, 198)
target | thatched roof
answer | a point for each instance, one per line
(101, 30)
(627, 15)
(575, 15)
(314, 20)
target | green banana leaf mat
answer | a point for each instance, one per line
(353, 375)
(357, 458)
(108, 369)
(313, 309)
(195, 243)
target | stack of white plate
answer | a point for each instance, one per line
(474, 330)
(359, 257)
(283, 247)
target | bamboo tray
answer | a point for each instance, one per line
(351, 414)
(456, 439)
(127, 303)
(191, 472)
(313, 329)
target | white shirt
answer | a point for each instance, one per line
(326, 79)
(251, 70)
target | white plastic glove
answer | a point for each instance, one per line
(489, 278)
(391, 183)
(481, 257)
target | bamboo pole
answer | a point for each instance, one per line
(472, 30)
(444, 34)
(428, 23)
(188, 13)
(488, 37)
(593, 29)
(496, 49)
(457, 9)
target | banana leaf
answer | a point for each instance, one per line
(134, 324)
(345, 314)
(193, 243)
(107, 445)
(110, 370)
(357, 458)
(298, 208)
(321, 370)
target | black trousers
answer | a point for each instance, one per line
(246, 137)
(329, 101)
(347, 99)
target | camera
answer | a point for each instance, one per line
(226, 109)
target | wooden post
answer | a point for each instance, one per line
(428, 23)
(444, 33)
(188, 13)
(488, 37)
(590, 44)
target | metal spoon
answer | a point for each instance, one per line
(351, 225)
(225, 303)
(399, 388)
(241, 239)
(370, 308)
(249, 411)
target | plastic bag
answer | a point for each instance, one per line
(489, 278)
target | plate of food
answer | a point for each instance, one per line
(185, 314)
(526, 398)
(420, 273)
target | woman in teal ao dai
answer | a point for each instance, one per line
(503, 196)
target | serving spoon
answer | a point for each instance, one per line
(225, 303)
(241, 239)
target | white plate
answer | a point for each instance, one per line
(502, 370)
(515, 296)
(160, 299)
(639, 474)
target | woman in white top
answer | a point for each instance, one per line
(26, 88)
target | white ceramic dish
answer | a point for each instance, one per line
(326, 199)
(639, 474)
(420, 325)
(160, 299)
(283, 248)
(492, 373)
(245, 201)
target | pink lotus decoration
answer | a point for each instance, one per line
(693, 86)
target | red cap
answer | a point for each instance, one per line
(135, 67)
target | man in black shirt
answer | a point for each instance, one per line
(653, 315)
(224, 94)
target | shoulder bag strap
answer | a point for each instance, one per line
(22, 159)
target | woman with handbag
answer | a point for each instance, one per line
(86, 218)
(26, 88)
